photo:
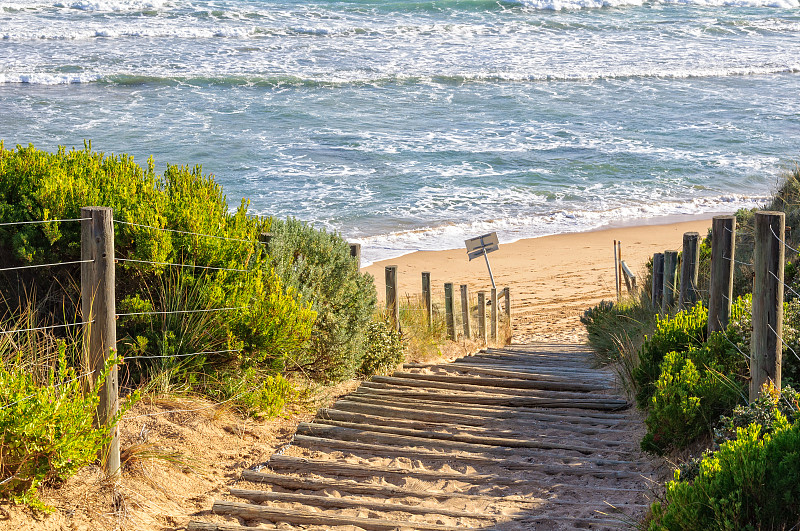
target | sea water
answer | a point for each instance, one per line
(411, 125)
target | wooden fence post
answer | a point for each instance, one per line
(657, 290)
(768, 263)
(426, 297)
(98, 308)
(493, 323)
(392, 300)
(482, 316)
(355, 252)
(723, 247)
(448, 311)
(616, 272)
(507, 305)
(670, 271)
(465, 310)
(690, 263)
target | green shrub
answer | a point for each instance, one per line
(769, 411)
(752, 482)
(693, 390)
(672, 334)
(46, 431)
(385, 348)
(317, 266)
(273, 320)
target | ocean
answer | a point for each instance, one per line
(410, 125)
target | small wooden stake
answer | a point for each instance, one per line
(494, 314)
(768, 263)
(482, 316)
(616, 272)
(448, 311)
(689, 269)
(355, 252)
(670, 272)
(98, 307)
(657, 292)
(723, 244)
(392, 300)
(426, 297)
(465, 310)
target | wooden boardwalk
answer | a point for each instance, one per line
(526, 437)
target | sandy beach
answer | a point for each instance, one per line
(553, 279)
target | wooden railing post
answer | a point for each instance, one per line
(392, 300)
(690, 262)
(482, 316)
(507, 308)
(448, 311)
(98, 308)
(355, 252)
(657, 291)
(426, 298)
(670, 272)
(493, 323)
(465, 310)
(723, 247)
(768, 263)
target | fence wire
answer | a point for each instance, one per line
(186, 232)
(169, 264)
(126, 358)
(45, 265)
(48, 327)
(172, 312)
(38, 222)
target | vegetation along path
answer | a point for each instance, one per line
(525, 437)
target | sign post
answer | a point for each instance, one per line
(482, 246)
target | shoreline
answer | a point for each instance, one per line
(553, 279)
(666, 219)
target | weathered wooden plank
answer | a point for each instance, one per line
(498, 412)
(301, 465)
(306, 483)
(590, 446)
(388, 382)
(447, 441)
(253, 512)
(329, 502)
(599, 380)
(510, 401)
(567, 465)
(508, 383)
(358, 412)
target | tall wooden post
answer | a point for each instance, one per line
(616, 272)
(355, 252)
(426, 297)
(768, 263)
(392, 300)
(493, 323)
(670, 272)
(723, 247)
(689, 269)
(98, 307)
(448, 311)
(482, 316)
(465, 310)
(657, 292)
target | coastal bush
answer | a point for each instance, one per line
(385, 348)
(676, 333)
(317, 266)
(46, 426)
(694, 388)
(751, 482)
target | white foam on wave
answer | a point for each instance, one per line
(114, 5)
(452, 235)
(572, 5)
(48, 79)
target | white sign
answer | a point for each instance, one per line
(487, 243)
